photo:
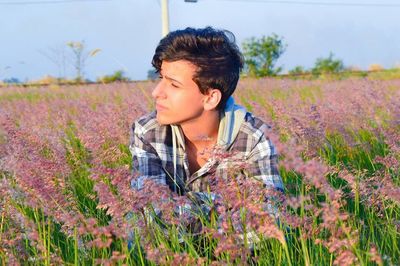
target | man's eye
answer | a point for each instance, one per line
(174, 85)
(160, 77)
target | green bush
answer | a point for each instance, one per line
(118, 75)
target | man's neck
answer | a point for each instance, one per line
(204, 131)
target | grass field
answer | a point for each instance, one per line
(65, 174)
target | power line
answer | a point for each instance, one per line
(311, 3)
(315, 3)
(48, 2)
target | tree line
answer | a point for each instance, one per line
(260, 54)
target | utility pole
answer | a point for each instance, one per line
(164, 17)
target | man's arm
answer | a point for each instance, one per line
(145, 161)
(263, 161)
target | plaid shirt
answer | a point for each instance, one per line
(151, 146)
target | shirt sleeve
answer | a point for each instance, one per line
(263, 164)
(146, 163)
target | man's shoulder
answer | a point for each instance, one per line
(254, 126)
(147, 124)
(252, 132)
(252, 141)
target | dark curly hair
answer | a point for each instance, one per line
(214, 53)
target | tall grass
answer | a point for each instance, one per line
(65, 175)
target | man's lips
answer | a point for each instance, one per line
(160, 107)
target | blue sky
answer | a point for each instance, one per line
(127, 32)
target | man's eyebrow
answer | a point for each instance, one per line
(169, 78)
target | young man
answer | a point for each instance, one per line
(199, 70)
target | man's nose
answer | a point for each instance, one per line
(158, 91)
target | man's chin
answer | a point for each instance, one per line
(163, 121)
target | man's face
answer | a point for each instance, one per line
(178, 98)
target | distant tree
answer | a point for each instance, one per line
(352, 68)
(58, 56)
(152, 74)
(298, 70)
(327, 65)
(261, 55)
(48, 79)
(80, 56)
(118, 75)
(375, 67)
(3, 71)
(11, 80)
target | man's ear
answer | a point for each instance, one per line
(212, 99)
